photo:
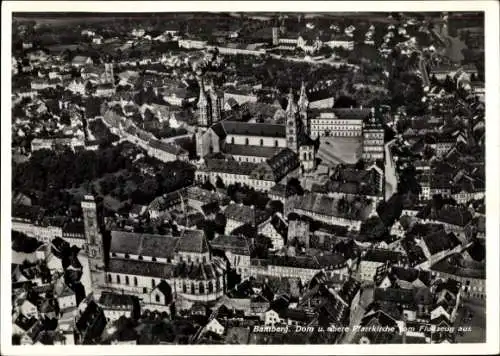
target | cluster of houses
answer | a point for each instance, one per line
(311, 263)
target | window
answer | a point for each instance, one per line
(192, 288)
(144, 290)
(157, 298)
(202, 288)
(127, 256)
(153, 283)
(153, 259)
(118, 279)
(210, 287)
(109, 278)
(140, 258)
(232, 140)
(261, 142)
(135, 281)
(184, 288)
(246, 141)
(127, 281)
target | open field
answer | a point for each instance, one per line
(336, 150)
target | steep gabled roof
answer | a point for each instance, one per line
(142, 244)
(253, 129)
(237, 244)
(192, 241)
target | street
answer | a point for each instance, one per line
(365, 299)
(477, 323)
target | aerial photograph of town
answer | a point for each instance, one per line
(247, 178)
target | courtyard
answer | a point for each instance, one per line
(334, 150)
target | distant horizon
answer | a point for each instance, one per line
(229, 13)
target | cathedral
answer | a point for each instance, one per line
(256, 142)
(159, 269)
(209, 105)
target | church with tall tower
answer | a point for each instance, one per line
(158, 269)
(291, 123)
(298, 139)
(204, 106)
(95, 245)
(216, 98)
(257, 143)
(303, 107)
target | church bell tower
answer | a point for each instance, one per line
(204, 107)
(291, 123)
(94, 240)
(303, 107)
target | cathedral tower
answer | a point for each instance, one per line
(291, 123)
(303, 107)
(108, 73)
(94, 240)
(204, 107)
(275, 36)
(216, 104)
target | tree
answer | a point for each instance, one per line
(434, 80)
(293, 185)
(405, 221)
(89, 89)
(208, 186)
(325, 51)
(65, 119)
(275, 206)
(428, 153)
(220, 223)
(219, 183)
(360, 164)
(373, 229)
(448, 84)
